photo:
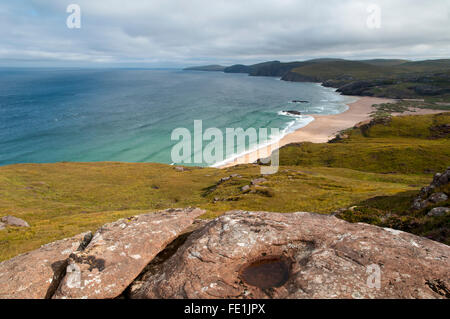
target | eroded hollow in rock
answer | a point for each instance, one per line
(268, 272)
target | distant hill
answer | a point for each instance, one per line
(385, 62)
(393, 78)
(212, 67)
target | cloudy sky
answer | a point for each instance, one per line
(174, 33)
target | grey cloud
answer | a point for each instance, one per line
(179, 32)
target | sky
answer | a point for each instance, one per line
(177, 33)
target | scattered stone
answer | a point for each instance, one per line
(36, 274)
(224, 179)
(258, 181)
(119, 252)
(438, 211)
(438, 198)
(428, 195)
(14, 221)
(419, 204)
(245, 188)
(299, 255)
(227, 178)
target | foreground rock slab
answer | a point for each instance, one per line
(300, 255)
(35, 275)
(119, 252)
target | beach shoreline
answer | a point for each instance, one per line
(324, 128)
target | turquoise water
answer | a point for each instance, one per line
(52, 115)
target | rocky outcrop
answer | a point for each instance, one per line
(292, 112)
(35, 275)
(438, 211)
(299, 255)
(14, 221)
(241, 254)
(119, 251)
(433, 193)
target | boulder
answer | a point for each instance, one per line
(119, 252)
(224, 179)
(438, 198)
(245, 188)
(2, 225)
(299, 255)
(36, 274)
(419, 204)
(428, 194)
(14, 221)
(438, 211)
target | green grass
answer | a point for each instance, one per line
(63, 199)
(406, 145)
(383, 164)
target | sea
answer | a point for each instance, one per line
(52, 115)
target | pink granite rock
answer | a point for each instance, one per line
(119, 252)
(299, 255)
(33, 275)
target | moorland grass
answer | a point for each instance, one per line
(377, 165)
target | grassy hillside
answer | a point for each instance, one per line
(407, 144)
(385, 62)
(379, 162)
(370, 69)
(63, 199)
(382, 78)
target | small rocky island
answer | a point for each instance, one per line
(292, 112)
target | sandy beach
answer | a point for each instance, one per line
(325, 127)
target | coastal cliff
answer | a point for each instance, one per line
(390, 78)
